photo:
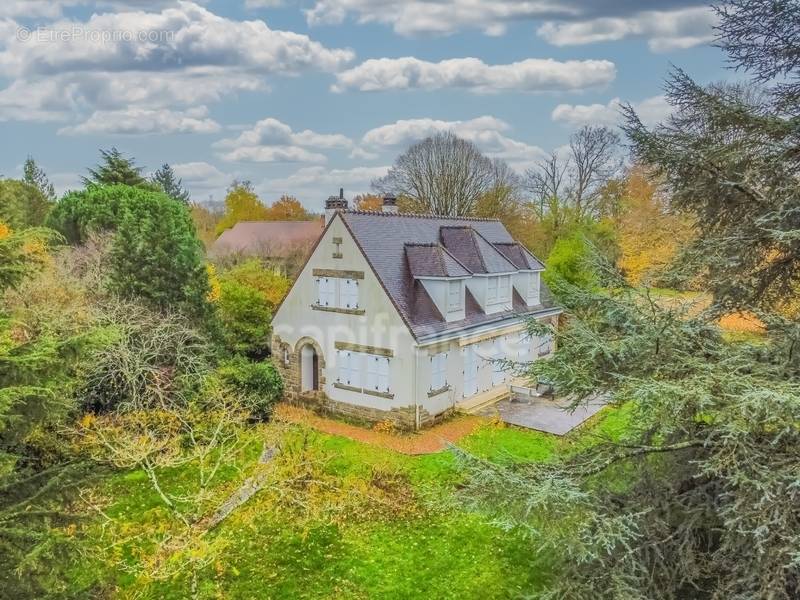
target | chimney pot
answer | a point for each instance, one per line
(333, 204)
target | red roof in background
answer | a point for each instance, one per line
(277, 239)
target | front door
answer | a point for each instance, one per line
(309, 379)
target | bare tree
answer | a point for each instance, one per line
(443, 175)
(577, 177)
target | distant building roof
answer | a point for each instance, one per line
(274, 239)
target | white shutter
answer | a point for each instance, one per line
(349, 295)
(341, 366)
(438, 371)
(491, 294)
(505, 288)
(373, 373)
(498, 374)
(470, 371)
(454, 296)
(326, 291)
(383, 375)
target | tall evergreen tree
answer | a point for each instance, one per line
(34, 175)
(172, 186)
(700, 495)
(115, 168)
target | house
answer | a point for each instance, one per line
(279, 242)
(402, 317)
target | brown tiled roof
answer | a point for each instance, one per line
(432, 260)
(384, 237)
(276, 239)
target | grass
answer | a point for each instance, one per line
(361, 522)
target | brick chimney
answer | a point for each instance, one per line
(390, 205)
(333, 204)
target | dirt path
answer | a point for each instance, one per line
(428, 441)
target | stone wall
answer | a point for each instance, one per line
(403, 417)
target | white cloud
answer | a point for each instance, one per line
(203, 179)
(487, 132)
(678, 28)
(182, 56)
(141, 121)
(270, 140)
(664, 30)
(650, 111)
(312, 185)
(531, 75)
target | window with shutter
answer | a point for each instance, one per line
(438, 371)
(383, 375)
(454, 296)
(373, 373)
(505, 288)
(326, 291)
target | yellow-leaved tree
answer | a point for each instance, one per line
(649, 234)
(241, 204)
(288, 208)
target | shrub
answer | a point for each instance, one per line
(252, 273)
(569, 262)
(245, 318)
(155, 253)
(258, 384)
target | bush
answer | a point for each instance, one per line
(245, 318)
(252, 273)
(569, 262)
(258, 384)
(155, 253)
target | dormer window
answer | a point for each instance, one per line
(455, 295)
(498, 289)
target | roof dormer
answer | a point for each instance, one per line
(442, 275)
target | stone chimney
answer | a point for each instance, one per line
(333, 204)
(390, 205)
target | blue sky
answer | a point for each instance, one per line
(305, 97)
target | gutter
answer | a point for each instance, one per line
(481, 327)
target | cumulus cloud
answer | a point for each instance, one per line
(531, 75)
(270, 140)
(487, 132)
(651, 110)
(203, 179)
(142, 121)
(421, 17)
(182, 56)
(664, 30)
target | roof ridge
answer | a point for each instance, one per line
(417, 215)
(451, 255)
(503, 256)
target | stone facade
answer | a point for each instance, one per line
(288, 362)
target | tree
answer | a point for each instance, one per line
(155, 254)
(241, 204)
(22, 204)
(578, 177)
(34, 175)
(728, 157)
(245, 317)
(170, 184)
(442, 175)
(287, 208)
(698, 497)
(649, 232)
(115, 168)
(368, 202)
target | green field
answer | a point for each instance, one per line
(336, 519)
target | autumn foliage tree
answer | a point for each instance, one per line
(241, 204)
(287, 208)
(648, 233)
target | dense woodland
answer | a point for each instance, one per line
(137, 392)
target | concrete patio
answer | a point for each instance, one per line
(543, 413)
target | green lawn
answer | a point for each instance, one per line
(339, 519)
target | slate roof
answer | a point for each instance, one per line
(432, 260)
(385, 238)
(276, 239)
(520, 256)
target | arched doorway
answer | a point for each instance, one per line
(309, 369)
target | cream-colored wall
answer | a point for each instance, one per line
(380, 326)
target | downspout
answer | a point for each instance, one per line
(414, 383)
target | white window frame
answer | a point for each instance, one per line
(438, 371)
(457, 287)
